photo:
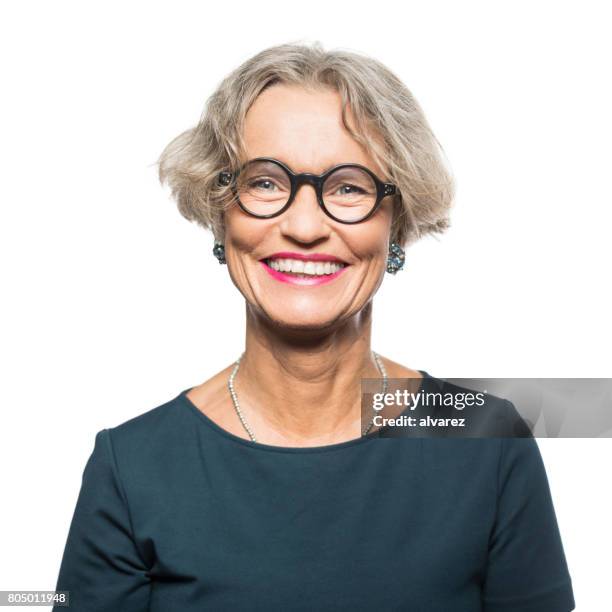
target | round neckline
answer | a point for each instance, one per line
(187, 403)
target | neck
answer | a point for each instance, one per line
(299, 388)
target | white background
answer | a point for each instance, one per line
(113, 303)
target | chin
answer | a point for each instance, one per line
(310, 322)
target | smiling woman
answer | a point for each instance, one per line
(288, 210)
(265, 487)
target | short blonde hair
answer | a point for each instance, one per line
(380, 105)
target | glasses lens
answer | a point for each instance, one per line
(263, 187)
(349, 193)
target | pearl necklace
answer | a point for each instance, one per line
(234, 396)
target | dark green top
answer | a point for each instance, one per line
(177, 514)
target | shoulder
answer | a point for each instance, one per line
(148, 436)
(153, 421)
(144, 463)
(486, 415)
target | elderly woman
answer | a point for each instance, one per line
(266, 487)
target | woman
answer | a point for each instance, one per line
(264, 488)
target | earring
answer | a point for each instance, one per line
(396, 258)
(219, 252)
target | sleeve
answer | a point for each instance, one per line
(527, 570)
(101, 567)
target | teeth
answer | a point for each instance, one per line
(307, 268)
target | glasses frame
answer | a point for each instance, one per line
(383, 189)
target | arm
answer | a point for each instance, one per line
(527, 569)
(101, 566)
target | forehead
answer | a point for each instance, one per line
(302, 128)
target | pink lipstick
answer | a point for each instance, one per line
(303, 279)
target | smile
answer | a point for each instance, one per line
(303, 271)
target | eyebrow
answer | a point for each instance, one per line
(283, 161)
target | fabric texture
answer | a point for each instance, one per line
(177, 514)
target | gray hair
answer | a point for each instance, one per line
(380, 105)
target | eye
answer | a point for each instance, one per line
(265, 184)
(347, 189)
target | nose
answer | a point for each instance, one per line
(304, 221)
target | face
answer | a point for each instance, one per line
(303, 129)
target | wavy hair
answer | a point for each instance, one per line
(389, 123)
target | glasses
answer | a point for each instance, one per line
(348, 193)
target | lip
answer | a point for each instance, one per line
(305, 257)
(296, 280)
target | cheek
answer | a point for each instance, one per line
(243, 233)
(370, 241)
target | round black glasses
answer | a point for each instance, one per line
(348, 193)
